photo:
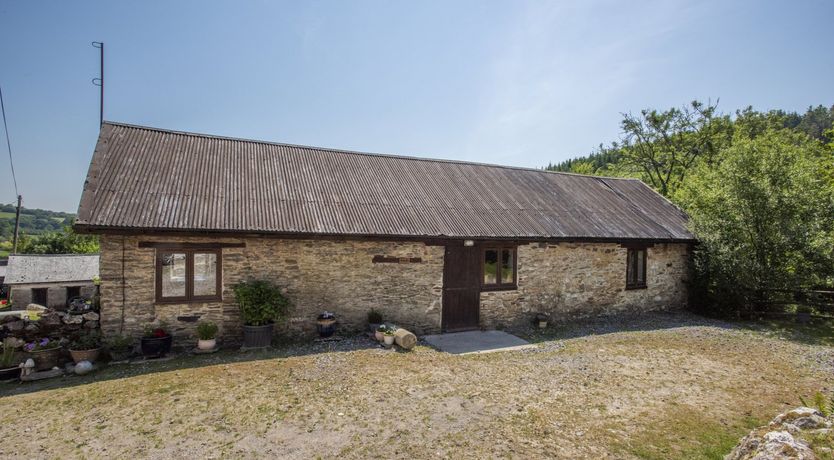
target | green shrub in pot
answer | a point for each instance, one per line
(262, 304)
(206, 335)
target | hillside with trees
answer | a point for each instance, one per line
(758, 187)
(42, 232)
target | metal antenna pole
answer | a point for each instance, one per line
(16, 224)
(100, 81)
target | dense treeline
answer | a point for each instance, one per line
(605, 160)
(42, 232)
(32, 221)
(758, 187)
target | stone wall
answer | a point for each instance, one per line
(317, 275)
(573, 280)
(21, 295)
(566, 280)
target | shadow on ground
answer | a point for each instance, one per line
(819, 332)
(184, 360)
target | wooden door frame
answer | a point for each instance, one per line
(478, 249)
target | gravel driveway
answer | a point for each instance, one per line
(657, 386)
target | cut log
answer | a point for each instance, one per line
(405, 339)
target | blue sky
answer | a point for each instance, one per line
(508, 82)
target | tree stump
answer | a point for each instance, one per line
(405, 339)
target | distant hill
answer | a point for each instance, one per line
(32, 221)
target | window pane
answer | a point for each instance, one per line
(205, 274)
(173, 275)
(506, 266)
(641, 269)
(490, 266)
(630, 267)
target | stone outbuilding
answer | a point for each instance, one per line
(50, 280)
(434, 245)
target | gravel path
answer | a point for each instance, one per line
(656, 386)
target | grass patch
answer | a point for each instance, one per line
(689, 434)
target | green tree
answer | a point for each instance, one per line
(664, 146)
(763, 218)
(65, 241)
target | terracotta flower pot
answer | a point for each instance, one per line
(379, 336)
(85, 355)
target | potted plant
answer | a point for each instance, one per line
(4, 303)
(9, 368)
(388, 336)
(374, 320)
(326, 324)
(45, 352)
(120, 347)
(379, 334)
(86, 348)
(261, 304)
(155, 342)
(206, 336)
(541, 320)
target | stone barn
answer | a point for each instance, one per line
(50, 280)
(434, 245)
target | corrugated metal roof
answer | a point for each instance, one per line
(52, 268)
(151, 179)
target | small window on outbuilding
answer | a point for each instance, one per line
(636, 268)
(73, 292)
(499, 268)
(40, 296)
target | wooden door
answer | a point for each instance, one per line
(461, 287)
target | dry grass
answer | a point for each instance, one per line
(670, 386)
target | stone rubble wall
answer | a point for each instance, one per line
(50, 323)
(575, 280)
(56, 294)
(567, 280)
(317, 275)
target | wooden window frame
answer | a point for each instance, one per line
(499, 286)
(189, 252)
(636, 284)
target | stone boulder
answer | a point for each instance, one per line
(782, 438)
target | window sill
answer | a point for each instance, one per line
(636, 287)
(499, 288)
(187, 301)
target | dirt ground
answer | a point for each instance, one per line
(657, 386)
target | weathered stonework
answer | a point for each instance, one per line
(338, 276)
(573, 280)
(56, 294)
(566, 280)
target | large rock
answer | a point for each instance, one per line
(35, 307)
(90, 316)
(73, 319)
(781, 439)
(15, 326)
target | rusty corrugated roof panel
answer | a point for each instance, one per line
(151, 179)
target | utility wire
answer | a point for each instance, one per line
(8, 142)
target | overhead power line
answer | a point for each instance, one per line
(8, 142)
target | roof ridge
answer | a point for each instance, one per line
(357, 152)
